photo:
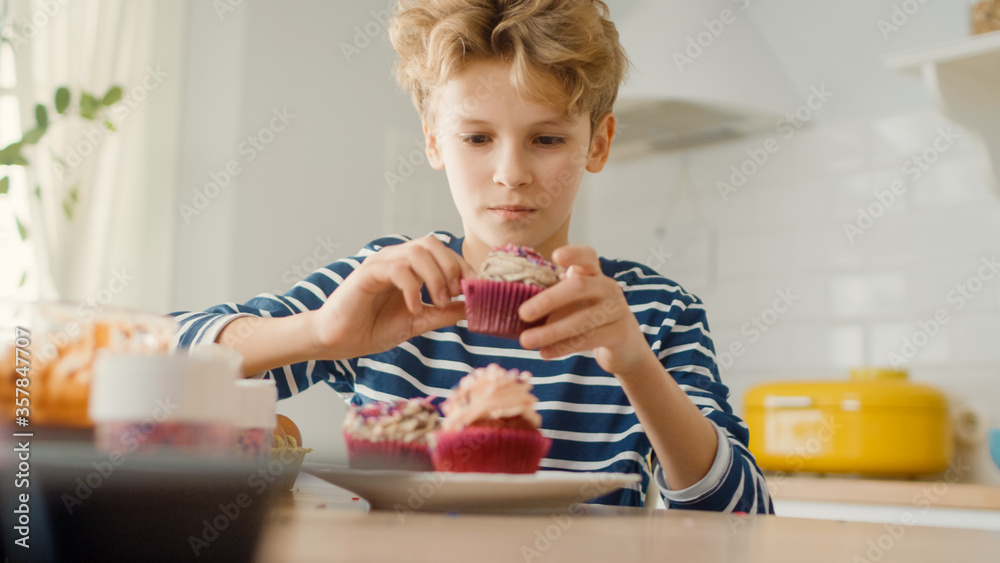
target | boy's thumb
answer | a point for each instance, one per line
(440, 317)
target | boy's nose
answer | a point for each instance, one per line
(512, 169)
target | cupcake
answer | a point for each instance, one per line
(287, 451)
(390, 435)
(509, 276)
(490, 425)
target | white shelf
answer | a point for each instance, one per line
(979, 53)
(963, 77)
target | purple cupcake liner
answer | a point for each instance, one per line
(391, 454)
(491, 306)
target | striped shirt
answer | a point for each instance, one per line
(584, 409)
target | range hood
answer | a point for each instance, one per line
(702, 74)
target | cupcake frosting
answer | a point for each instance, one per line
(410, 420)
(512, 263)
(287, 442)
(490, 393)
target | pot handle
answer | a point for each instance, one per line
(787, 402)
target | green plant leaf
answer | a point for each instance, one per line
(88, 106)
(33, 136)
(38, 192)
(113, 95)
(11, 155)
(22, 231)
(74, 193)
(58, 158)
(68, 208)
(41, 116)
(110, 126)
(24, 276)
(62, 99)
(4, 184)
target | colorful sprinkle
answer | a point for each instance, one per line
(526, 253)
(378, 409)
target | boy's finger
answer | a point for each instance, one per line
(440, 317)
(583, 343)
(449, 255)
(455, 267)
(563, 293)
(428, 271)
(467, 270)
(577, 324)
(580, 259)
(401, 276)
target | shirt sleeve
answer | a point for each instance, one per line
(197, 328)
(734, 483)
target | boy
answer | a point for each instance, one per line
(515, 97)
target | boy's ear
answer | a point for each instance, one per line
(600, 145)
(433, 150)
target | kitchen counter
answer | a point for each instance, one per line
(331, 525)
(940, 494)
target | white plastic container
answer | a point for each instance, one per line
(255, 418)
(150, 402)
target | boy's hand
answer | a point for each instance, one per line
(587, 311)
(378, 306)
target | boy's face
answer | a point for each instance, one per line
(514, 166)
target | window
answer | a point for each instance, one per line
(18, 271)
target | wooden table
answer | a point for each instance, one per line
(328, 525)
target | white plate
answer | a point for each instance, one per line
(470, 492)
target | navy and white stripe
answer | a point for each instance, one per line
(584, 410)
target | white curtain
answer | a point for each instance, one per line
(116, 248)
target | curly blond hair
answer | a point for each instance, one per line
(559, 50)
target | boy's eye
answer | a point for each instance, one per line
(548, 140)
(477, 139)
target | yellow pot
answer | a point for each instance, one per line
(875, 423)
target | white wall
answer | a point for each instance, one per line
(209, 121)
(323, 177)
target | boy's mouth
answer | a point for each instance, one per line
(512, 211)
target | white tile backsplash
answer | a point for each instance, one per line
(785, 229)
(870, 294)
(758, 350)
(960, 179)
(846, 346)
(940, 284)
(859, 189)
(978, 229)
(975, 336)
(800, 202)
(910, 343)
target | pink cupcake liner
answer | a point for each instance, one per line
(253, 444)
(489, 450)
(491, 306)
(396, 454)
(213, 439)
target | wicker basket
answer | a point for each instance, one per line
(986, 16)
